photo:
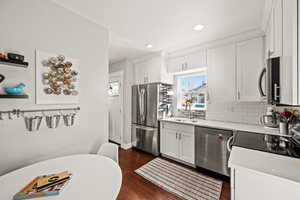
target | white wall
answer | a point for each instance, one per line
(128, 70)
(34, 24)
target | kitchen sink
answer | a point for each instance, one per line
(180, 120)
(187, 120)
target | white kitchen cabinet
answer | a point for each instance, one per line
(274, 31)
(221, 74)
(269, 37)
(277, 13)
(289, 67)
(176, 64)
(151, 70)
(250, 62)
(190, 61)
(282, 41)
(263, 175)
(178, 141)
(141, 73)
(187, 147)
(248, 184)
(171, 143)
(196, 60)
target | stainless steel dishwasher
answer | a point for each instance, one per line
(211, 149)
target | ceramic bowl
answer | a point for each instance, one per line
(13, 91)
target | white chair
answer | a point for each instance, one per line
(110, 150)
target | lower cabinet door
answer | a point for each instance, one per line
(172, 143)
(162, 140)
(187, 147)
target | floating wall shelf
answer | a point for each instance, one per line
(13, 63)
(9, 96)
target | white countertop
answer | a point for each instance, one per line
(268, 163)
(224, 125)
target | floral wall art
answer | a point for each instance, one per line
(57, 79)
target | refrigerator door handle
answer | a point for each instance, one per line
(141, 94)
(143, 104)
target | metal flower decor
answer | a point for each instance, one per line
(60, 78)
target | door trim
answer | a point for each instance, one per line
(121, 75)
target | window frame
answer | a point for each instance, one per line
(203, 72)
(115, 95)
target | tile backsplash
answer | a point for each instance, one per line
(195, 114)
(239, 112)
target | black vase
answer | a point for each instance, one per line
(1, 78)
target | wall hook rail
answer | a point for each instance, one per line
(18, 111)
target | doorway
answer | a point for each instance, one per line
(115, 107)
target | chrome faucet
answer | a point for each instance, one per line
(191, 114)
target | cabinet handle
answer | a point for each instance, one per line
(179, 136)
(239, 95)
(176, 136)
(207, 96)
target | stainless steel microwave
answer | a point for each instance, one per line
(272, 73)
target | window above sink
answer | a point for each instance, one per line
(191, 89)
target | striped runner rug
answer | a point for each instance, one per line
(183, 182)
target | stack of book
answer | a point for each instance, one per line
(46, 185)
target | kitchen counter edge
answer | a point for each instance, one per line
(228, 126)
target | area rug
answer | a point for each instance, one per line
(183, 182)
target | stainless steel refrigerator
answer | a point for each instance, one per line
(149, 103)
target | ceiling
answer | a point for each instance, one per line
(166, 24)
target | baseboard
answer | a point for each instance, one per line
(177, 160)
(126, 146)
(110, 141)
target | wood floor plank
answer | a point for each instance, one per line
(135, 187)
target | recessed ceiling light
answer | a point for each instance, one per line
(198, 27)
(149, 46)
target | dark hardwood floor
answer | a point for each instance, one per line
(134, 187)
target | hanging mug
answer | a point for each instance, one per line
(52, 121)
(1, 78)
(33, 123)
(69, 119)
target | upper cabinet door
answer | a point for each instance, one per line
(176, 64)
(289, 66)
(249, 66)
(149, 70)
(221, 74)
(187, 62)
(196, 60)
(274, 31)
(141, 75)
(269, 38)
(277, 14)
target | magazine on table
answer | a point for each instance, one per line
(46, 185)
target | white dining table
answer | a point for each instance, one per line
(94, 177)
